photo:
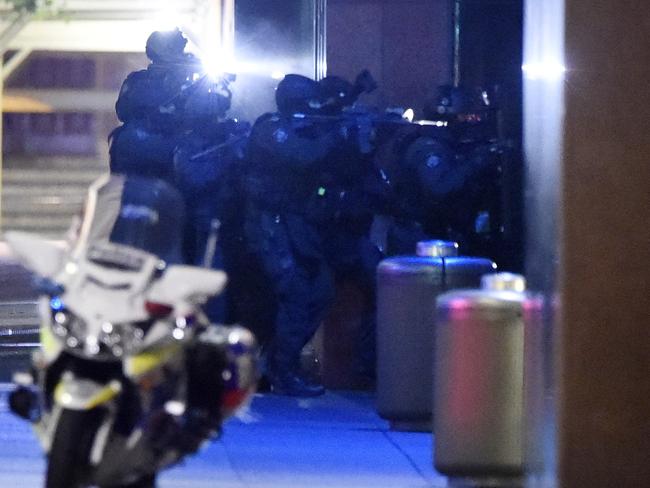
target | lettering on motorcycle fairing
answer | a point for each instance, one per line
(139, 212)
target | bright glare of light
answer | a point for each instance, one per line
(211, 66)
(212, 58)
(548, 71)
(435, 123)
(217, 61)
(408, 114)
(175, 408)
(167, 17)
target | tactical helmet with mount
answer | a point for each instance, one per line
(297, 94)
(166, 46)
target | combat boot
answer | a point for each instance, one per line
(291, 384)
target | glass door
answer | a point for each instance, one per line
(274, 38)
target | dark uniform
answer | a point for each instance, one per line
(207, 171)
(421, 169)
(353, 257)
(206, 163)
(358, 194)
(286, 158)
(475, 212)
(444, 178)
(313, 195)
(174, 129)
(150, 109)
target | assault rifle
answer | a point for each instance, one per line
(364, 122)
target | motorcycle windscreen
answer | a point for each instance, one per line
(143, 213)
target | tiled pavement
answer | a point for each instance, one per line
(332, 441)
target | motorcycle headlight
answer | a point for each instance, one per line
(67, 327)
(121, 339)
(111, 341)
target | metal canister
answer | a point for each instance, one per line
(479, 388)
(407, 287)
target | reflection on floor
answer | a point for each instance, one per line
(333, 441)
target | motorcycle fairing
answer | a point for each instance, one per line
(84, 394)
(98, 293)
(145, 362)
(182, 283)
(43, 257)
(50, 345)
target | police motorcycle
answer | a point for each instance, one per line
(130, 376)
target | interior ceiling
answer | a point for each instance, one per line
(101, 25)
(98, 26)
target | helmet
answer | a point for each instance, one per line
(469, 113)
(336, 93)
(166, 46)
(458, 104)
(297, 94)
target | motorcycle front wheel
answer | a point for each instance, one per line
(69, 463)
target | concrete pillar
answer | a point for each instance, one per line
(587, 148)
(604, 419)
(544, 82)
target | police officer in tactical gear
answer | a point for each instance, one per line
(480, 152)
(206, 160)
(355, 194)
(445, 175)
(207, 170)
(422, 171)
(286, 157)
(150, 109)
(175, 128)
(313, 194)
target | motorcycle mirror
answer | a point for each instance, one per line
(45, 258)
(187, 283)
